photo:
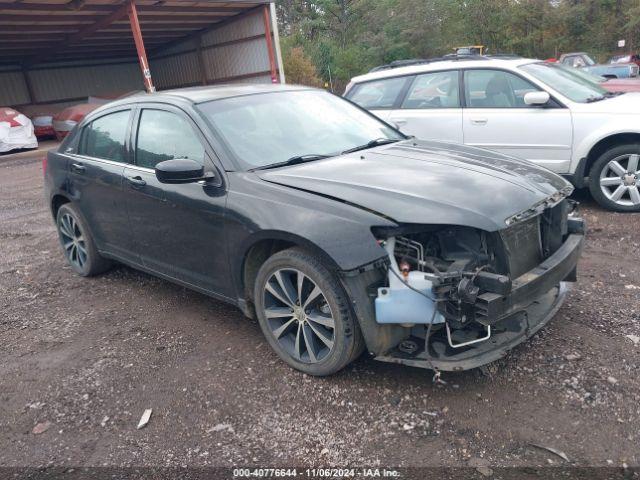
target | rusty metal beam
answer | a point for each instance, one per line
(116, 15)
(48, 17)
(8, 8)
(267, 33)
(142, 54)
(102, 35)
(91, 17)
(38, 28)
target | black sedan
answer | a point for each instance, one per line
(336, 231)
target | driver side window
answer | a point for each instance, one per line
(164, 136)
(496, 89)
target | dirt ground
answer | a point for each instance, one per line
(82, 359)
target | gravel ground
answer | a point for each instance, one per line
(81, 359)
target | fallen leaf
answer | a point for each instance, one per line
(41, 427)
(145, 418)
(555, 451)
(634, 338)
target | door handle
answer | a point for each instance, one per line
(399, 121)
(136, 182)
(479, 121)
(78, 168)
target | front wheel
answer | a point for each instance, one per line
(304, 313)
(614, 179)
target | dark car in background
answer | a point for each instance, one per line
(333, 229)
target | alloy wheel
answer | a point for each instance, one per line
(299, 315)
(73, 241)
(620, 180)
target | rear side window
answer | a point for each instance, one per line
(105, 137)
(164, 136)
(377, 94)
(434, 90)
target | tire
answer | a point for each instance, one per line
(301, 336)
(611, 182)
(77, 243)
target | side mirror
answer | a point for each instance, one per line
(179, 170)
(536, 98)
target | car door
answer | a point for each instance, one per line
(495, 117)
(178, 228)
(430, 109)
(379, 96)
(96, 170)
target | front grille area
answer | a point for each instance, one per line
(523, 246)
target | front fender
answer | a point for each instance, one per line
(595, 131)
(258, 210)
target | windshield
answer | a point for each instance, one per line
(621, 59)
(588, 76)
(270, 128)
(570, 84)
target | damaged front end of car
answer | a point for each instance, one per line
(451, 297)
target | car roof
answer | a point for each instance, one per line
(217, 92)
(575, 53)
(202, 94)
(454, 64)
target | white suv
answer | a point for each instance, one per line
(539, 111)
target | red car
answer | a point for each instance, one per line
(621, 84)
(68, 118)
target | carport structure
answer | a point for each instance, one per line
(62, 51)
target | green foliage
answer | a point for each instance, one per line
(299, 68)
(343, 38)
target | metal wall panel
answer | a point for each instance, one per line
(261, 79)
(13, 90)
(73, 82)
(183, 69)
(179, 65)
(248, 26)
(238, 59)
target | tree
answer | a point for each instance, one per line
(299, 68)
(348, 37)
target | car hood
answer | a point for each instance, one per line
(427, 182)
(627, 103)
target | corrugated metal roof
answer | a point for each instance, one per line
(40, 30)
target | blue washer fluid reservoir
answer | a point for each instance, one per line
(399, 304)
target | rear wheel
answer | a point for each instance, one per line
(614, 179)
(77, 243)
(304, 313)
